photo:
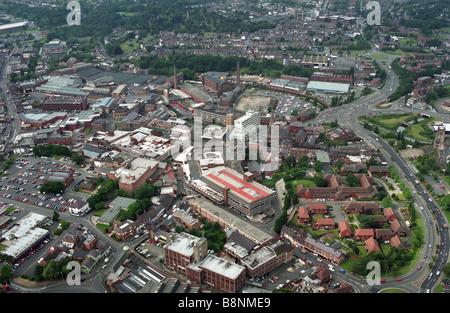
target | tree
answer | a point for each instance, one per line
(318, 166)
(446, 269)
(387, 202)
(6, 272)
(38, 272)
(54, 187)
(52, 270)
(280, 221)
(366, 220)
(351, 180)
(77, 158)
(146, 191)
(55, 216)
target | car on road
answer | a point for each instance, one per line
(419, 267)
(383, 280)
(398, 279)
(442, 187)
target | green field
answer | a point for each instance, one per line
(304, 182)
(393, 291)
(379, 56)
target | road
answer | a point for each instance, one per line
(8, 99)
(433, 219)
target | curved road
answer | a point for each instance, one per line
(436, 236)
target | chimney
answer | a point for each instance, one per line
(175, 78)
(248, 177)
(238, 74)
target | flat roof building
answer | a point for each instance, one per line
(327, 87)
(239, 190)
(214, 213)
(218, 273)
(134, 174)
(24, 235)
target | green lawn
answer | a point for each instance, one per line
(393, 291)
(379, 56)
(396, 120)
(304, 182)
(415, 132)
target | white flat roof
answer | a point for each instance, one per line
(11, 25)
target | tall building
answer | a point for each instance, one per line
(188, 255)
(247, 126)
(184, 250)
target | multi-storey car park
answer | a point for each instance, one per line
(239, 190)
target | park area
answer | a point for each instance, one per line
(415, 126)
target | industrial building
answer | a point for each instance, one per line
(327, 87)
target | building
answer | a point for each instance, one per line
(267, 258)
(65, 178)
(227, 220)
(379, 170)
(318, 208)
(24, 235)
(239, 190)
(327, 87)
(384, 234)
(183, 250)
(372, 245)
(12, 27)
(299, 238)
(124, 230)
(344, 229)
(247, 126)
(64, 104)
(303, 215)
(331, 78)
(218, 273)
(315, 61)
(337, 190)
(389, 214)
(134, 174)
(397, 228)
(78, 208)
(216, 114)
(216, 84)
(325, 223)
(364, 234)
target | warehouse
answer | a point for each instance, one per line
(327, 87)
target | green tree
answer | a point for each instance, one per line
(351, 180)
(55, 216)
(77, 158)
(318, 166)
(6, 272)
(52, 187)
(146, 191)
(38, 272)
(387, 202)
